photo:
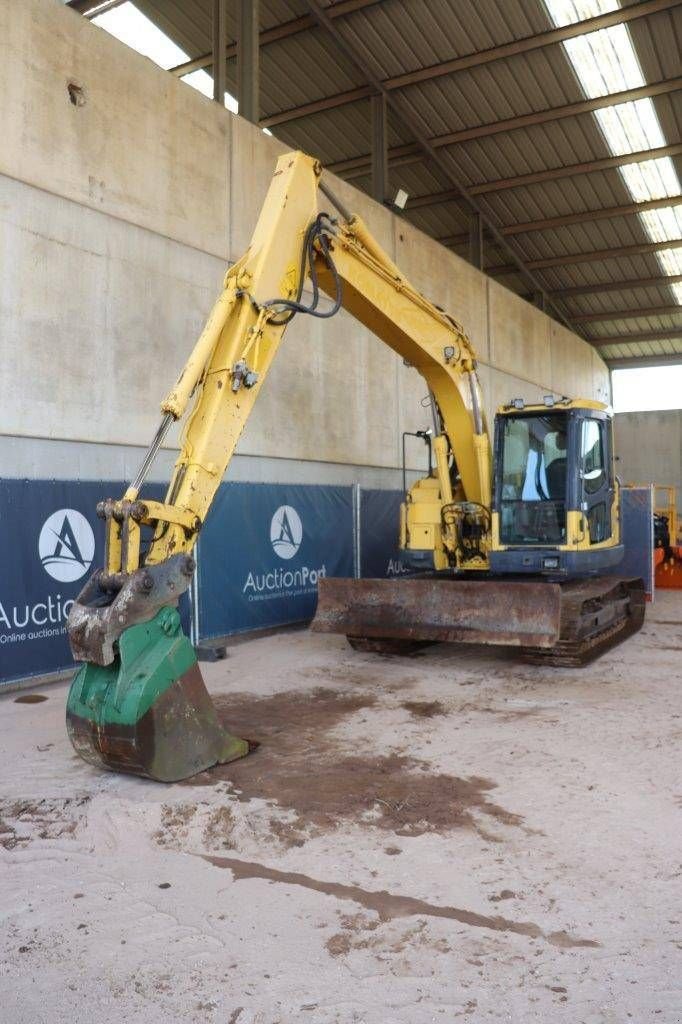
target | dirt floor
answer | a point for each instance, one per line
(454, 835)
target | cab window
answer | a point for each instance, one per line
(534, 459)
(592, 455)
(532, 491)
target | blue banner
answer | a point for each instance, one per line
(50, 542)
(637, 523)
(263, 549)
(260, 555)
(380, 534)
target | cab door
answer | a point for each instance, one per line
(596, 478)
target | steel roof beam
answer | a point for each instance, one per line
(625, 314)
(473, 60)
(435, 198)
(595, 256)
(662, 281)
(521, 121)
(536, 117)
(454, 241)
(664, 360)
(326, 103)
(605, 213)
(410, 149)
(537, 177)
(480, 131)
(571, 170)
(555, 35)
(587, 106)
(586, 216)
(413, 123)
(273, 35)
(359, 169)
(634, 339)
(91, 8)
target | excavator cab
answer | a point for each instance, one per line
(531, 571)
(555, 496)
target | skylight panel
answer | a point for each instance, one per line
(671, 260)
(605, 62)
(663, 225)
(630, 127)
(651, 179)
(568, 12)
(203, 83)
(133, 28)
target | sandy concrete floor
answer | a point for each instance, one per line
(453, 835)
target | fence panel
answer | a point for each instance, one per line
(264, 548)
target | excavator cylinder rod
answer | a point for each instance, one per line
(560, 623)
(148, 712)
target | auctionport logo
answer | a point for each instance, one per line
(66, 545)
(286, 531)
(286, 536)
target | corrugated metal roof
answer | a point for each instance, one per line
(395, 37)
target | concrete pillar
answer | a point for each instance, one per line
(248, 75)
(219, 27)
(476, 241)
(379, 149)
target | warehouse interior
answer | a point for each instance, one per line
(417, 833)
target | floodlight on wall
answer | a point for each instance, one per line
(400, 200)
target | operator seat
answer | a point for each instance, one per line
(556, 479)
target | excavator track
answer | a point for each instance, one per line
(595, 618)
(387, 646)
(546, 622)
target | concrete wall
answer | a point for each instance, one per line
(649, 447)
(117, 218)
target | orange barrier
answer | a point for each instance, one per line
(668, 573)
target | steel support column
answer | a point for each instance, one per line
(476, 241)
(379, 154)
(248, 74)
(219, 35)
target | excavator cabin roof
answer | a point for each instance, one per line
(550, 402)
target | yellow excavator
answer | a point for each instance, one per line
(507, 546)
